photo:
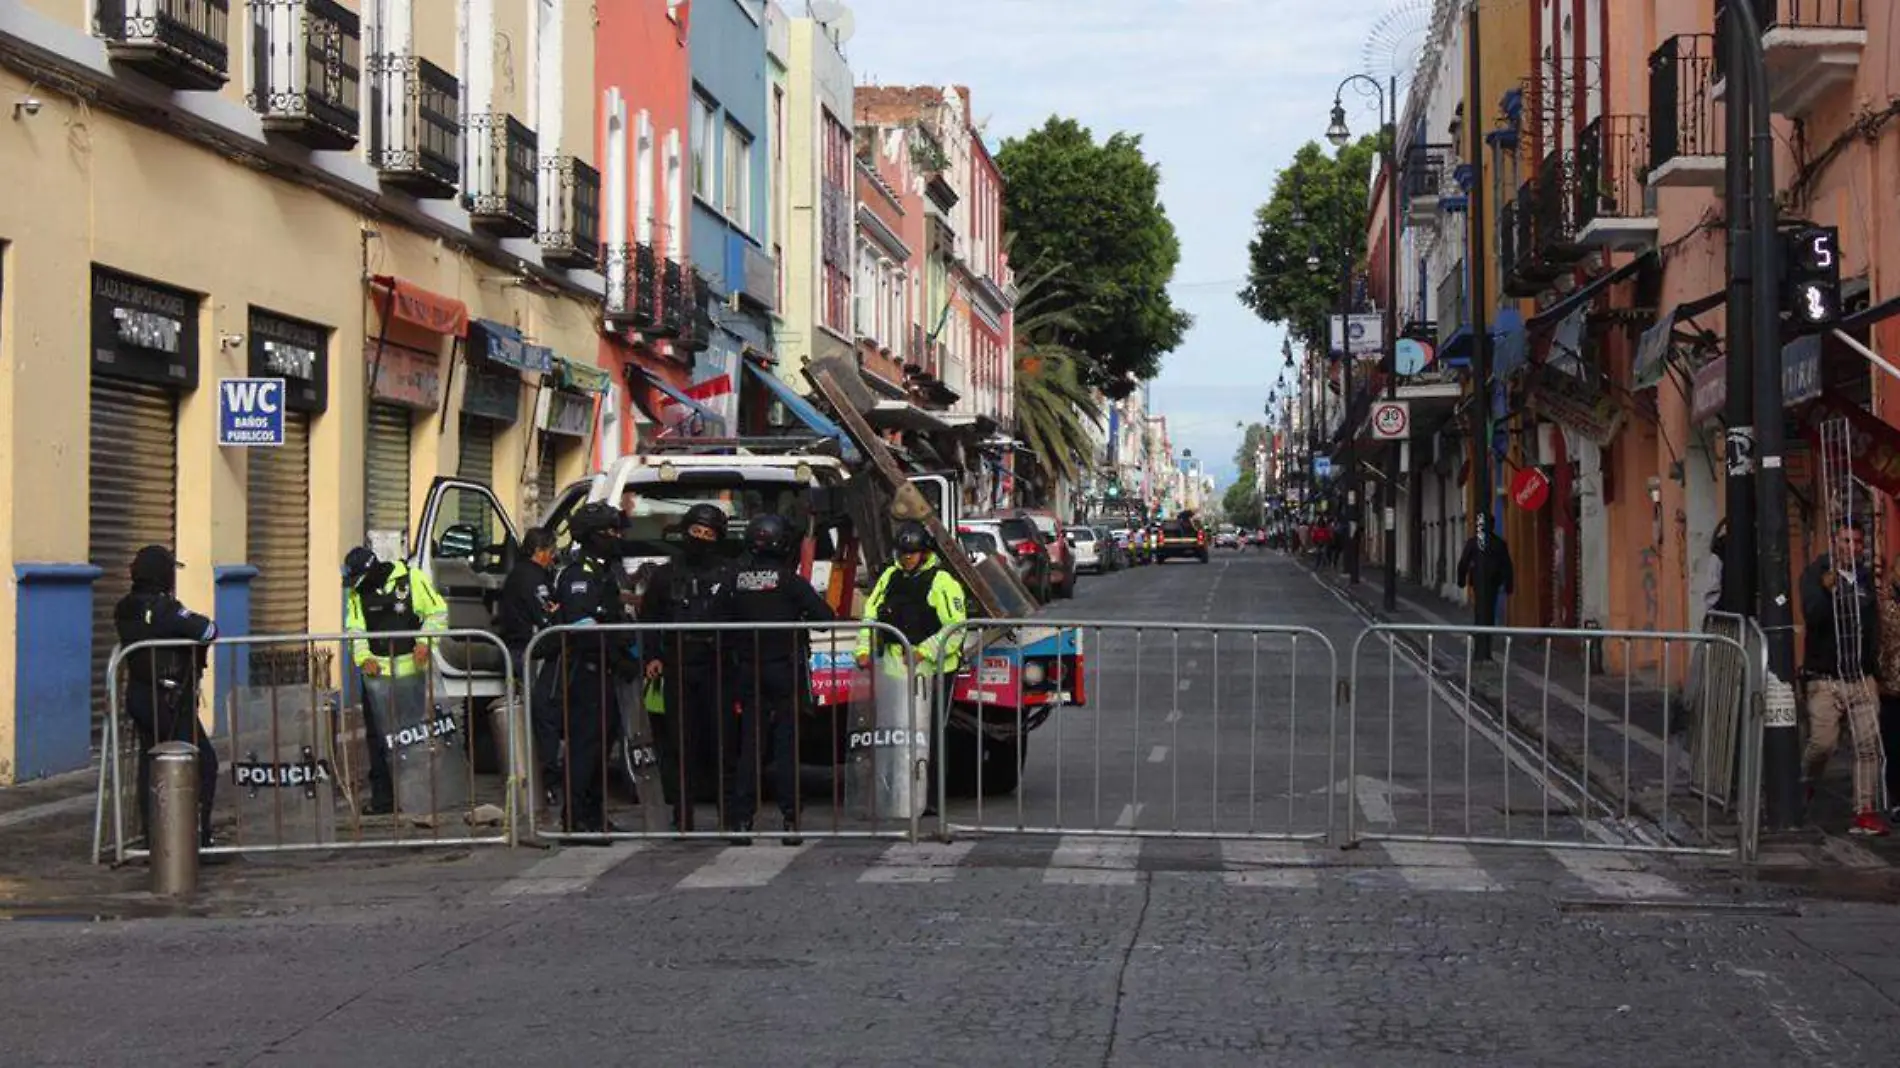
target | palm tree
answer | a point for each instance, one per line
(1052, 400)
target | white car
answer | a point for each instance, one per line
(1088, 551)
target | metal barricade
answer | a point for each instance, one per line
(1146, 730)
(653, 723)
(304, 743)
(1520, 748)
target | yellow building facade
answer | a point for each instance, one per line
(404, 231)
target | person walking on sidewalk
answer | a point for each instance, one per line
(387, 597)
(1842, 614)
(1887, 589)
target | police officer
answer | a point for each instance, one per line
(694, 587)
(527, 606)
(588, 703)
(387, 597)
(922, 600)
(162, 684)
(771, 668)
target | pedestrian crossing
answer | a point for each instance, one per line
(1108, 861)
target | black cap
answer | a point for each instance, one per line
(154, 565)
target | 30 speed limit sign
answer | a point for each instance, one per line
(1391, 419)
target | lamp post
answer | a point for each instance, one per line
(1339, 135)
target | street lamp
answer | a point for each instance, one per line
(1337, 133)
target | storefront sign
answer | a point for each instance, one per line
(1576, 403)
(250, 412)
(1710, 392)
(402, 375)
(1530, 488)
(1365, 333)
(1801, 370)
(503, 344)
(492, 393)
(571, 414)
(293, 350)
(580, 377)
(143, 330)
(1872, 443)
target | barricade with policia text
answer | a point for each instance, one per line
(1530, 746)
(1118, 729)
(290, 721)
(720, 725)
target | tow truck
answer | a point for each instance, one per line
(1014, 677)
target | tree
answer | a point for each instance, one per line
(1054, 403)
(1317, 212)
(1240, 502)
(1095, 209)
(1243, 498)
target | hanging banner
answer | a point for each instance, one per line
(1364, 332)
(1710, 391)
(1801, 370)
(1576, 403)
(1873, 445)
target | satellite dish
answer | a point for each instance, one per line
(1411, 356)
(835, 17)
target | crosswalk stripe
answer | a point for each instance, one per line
(1615, 875)
(922, 862)
(1440, 868)
(737, 867)
(567, 871)
(1088, 861)
(1282, 865)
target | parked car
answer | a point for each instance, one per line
(980, 544)
(1054, 534)
(1086, 549)
(1018, 537)
(1114, 558)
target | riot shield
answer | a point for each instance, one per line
(888, 747)
(282, 781)
(428, 767)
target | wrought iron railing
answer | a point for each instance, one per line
(1685, 119)
(415, 123)
(675, 298)
(306, 70)
(1427, 171)
(645, 280)
(570, 212)
(1556, 196)
(1611, 160)
(503, 183)
(1791, 15)
(186, 43)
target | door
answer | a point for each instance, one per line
(277, 532)
(386, 481)
(133, 500)
(467, 546)
(941, 496)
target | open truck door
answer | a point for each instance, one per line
(467, 547)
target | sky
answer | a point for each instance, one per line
(1222, 92)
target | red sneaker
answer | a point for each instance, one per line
(1869, 825)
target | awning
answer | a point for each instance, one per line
(805, 410)
(578, 377)
(678, 396)
(410, 303)
(1566, 348)
(981, 424)
(503, 344)
(1583, 294)
(1652, 352)
(903, 415)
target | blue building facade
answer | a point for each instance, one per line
(730, 151)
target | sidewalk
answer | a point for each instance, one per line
(1617, 728)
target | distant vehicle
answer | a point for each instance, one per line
(1227, 539)
(1086, 549)
(1016, 539)
(1062, 561)
(1114, 556)
(1182, 536)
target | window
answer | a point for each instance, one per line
(836, 225)
(864, 293)
(738, 163)
(704, 135)
(776, 213)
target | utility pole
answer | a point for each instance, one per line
(1354, 512)
(1740, 558)
(1781, 741)
(1484, 608)
(1392, 346)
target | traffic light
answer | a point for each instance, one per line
(1811, 275)
(1114, 492)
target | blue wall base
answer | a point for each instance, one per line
(52, 683)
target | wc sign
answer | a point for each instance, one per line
(250, 412)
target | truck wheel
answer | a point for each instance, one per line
(1203, 556)
(1067, 589)
(1003, 765)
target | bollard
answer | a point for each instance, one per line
(524, 774)
(174, 808)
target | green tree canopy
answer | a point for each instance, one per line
(1318, 207)
(1094, 210)
(1054, 405)
(1241, 502)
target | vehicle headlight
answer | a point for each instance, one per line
(1033, 674)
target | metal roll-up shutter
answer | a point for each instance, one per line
(277, 525)
(476, 463)
(544, 472)
(133, 500)
(386, 492)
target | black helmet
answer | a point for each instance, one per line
(912, 537)
(769, 535)
(705, 515)
(358, 563)
(154, 567)
(590, 521)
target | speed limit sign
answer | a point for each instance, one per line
(1391, 419)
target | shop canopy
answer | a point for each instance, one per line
(503, 344)
(805, 410)
(579, 377)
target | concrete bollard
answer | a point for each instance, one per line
(174, 809)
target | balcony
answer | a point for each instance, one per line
(180, 43)
(503, 195)
(1556, 196)
(415, 125)
(675, 300)
(306, 65)
(1424, 180)
(1525, 272)
(1810, 48)
(1611, 208)
(1686, 127)
(696, 323)
(570, 213)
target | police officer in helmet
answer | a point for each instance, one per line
(387, 598)
(588, 591)
(695, 587)
(771, 668)
(161, 695)
(919, 598)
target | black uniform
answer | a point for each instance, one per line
(527, 607)
(695, 588)
(162, 689)
(588, 702)
(772, 667)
